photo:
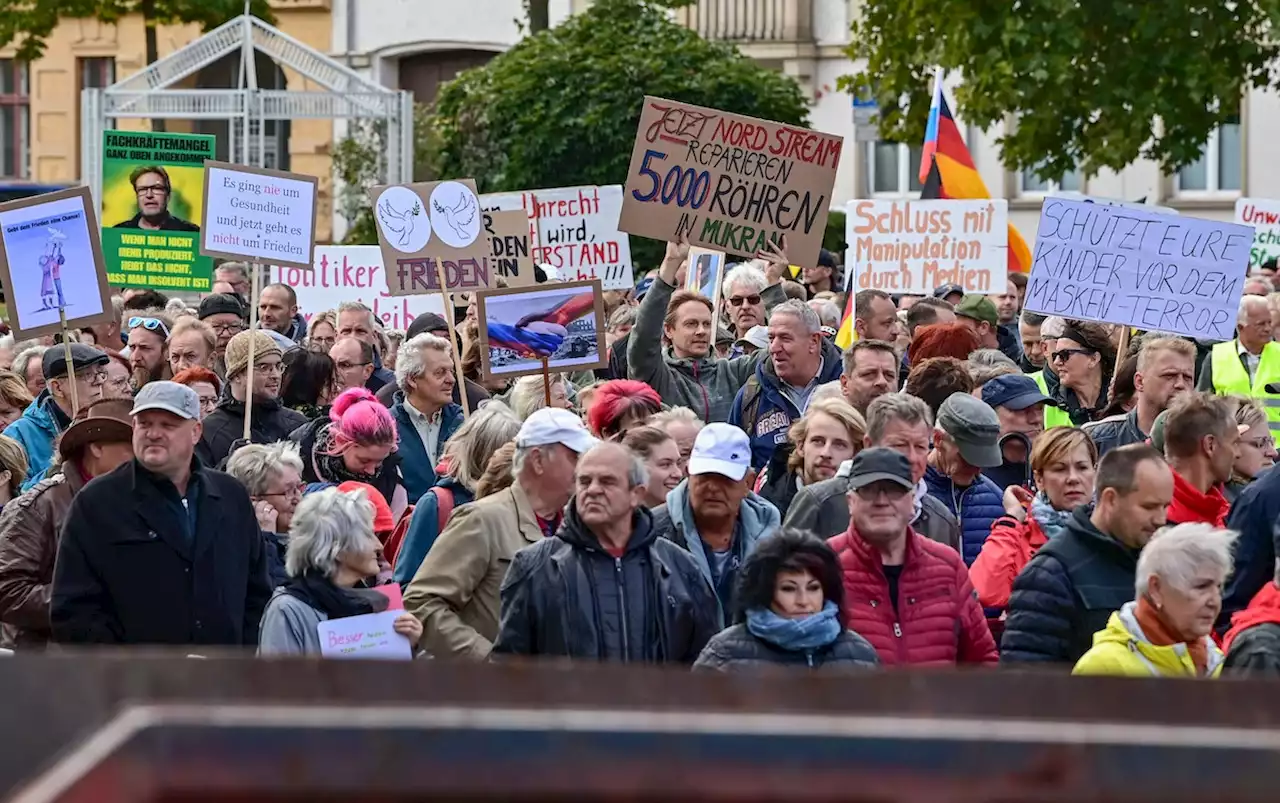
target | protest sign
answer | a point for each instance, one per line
(1264, 215)
(152, 199)
(729, 182)
(259, 215)
(575, 231)
(1139, 269)
(352, 273)
(508, 234)
(915, 246)
(520, 327)
(51, 263)
(369, 635)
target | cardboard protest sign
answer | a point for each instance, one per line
(1139, 269)
(562, 322)
(915, 246)
(509, 246)
(259, 215)
(369, 635)
(575, 231)
(152, 202)
(51, 260)
(352, 273)
(1264, 215)
(729, 182)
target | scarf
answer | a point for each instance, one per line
(1190, 505)
(1051, 520)
(320, 593)
(796, 635)
(330, 468)
(1160, 634)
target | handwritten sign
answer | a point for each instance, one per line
(1136, 268)
(575, 231)
(729, 182)
(367, 636)
(352, 273)
(509, 246)
(258, 215)
(915, 246)
(1264, 215)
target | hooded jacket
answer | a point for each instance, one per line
(823, 509)
(417, 469)
(565, 596)
(706, 385)
(1253, 642)
(765, 413)
(36, 430)
(976, 507)
(225, 425)
(1189, 506)
(1123, 649)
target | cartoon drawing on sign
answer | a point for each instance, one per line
(401, 218)
(455, 213)
(51, 270)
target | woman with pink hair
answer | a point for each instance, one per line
(620, 405)
(356, 444)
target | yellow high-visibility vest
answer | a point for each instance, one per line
(1053, 416)
(1230, 377)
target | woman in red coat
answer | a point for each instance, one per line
(1063, 463)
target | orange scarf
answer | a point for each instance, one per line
(1159, 633)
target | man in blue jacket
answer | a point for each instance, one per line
(778, 393)
(426, 416)
(965, 441)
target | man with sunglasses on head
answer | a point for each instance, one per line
(153, 189)
(53, 410)
(148, 348)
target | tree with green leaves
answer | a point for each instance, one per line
(1090, 85)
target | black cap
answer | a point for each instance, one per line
(827, 259)
(426, 322)
(879, 463)
(219, 303)
(54, 361)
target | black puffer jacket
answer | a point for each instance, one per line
(565, 596)
(738, 649)
(225, 425)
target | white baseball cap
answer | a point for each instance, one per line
(553, 425)
(721, 449)
(757, 336)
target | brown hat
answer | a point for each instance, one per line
(104, 421)
(237, 358)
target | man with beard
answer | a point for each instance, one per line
(153, 189)
(270, 421)
(226, 316)
(870, 371)
(830, 433)
(148, 348)
(1166, 370)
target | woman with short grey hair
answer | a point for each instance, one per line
(272, 474)
(332, 557)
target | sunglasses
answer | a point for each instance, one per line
(738, 301)
(1066, 354)
(892, 491)
(150, 324)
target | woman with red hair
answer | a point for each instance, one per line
(620, 405)
(942, 340)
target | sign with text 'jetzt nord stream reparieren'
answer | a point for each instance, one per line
(1137, 268)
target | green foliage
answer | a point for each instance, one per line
(561, 108)
(1086, 81)
(30, 22)
(833, 236)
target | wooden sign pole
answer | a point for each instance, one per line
(546, 381)
(453, 344)
(256, 289)
(71, 366)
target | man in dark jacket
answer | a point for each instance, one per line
(271, 421)
(606, 587)
(1079, 578)
(1254, 515)
(1253, 642)
(431, 323)
(162, 550)
(1166, 370)
(965, 442)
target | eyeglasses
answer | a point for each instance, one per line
(228, 328)
(892, 491)
(738, 301)
(347, 366)
(1260, 444)
(150, 324)
(269, 367)
(98, 379)
(1066, 354)
(157, 189)
(292, 491)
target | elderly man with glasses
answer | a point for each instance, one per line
(148, 348)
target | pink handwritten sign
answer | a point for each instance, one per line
(353, 273)
(368, 636)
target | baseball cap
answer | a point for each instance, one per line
(947, 290)
(721, 449)
(426, 322)
(219, 303)
(54, 361)
(757, 336)
(171, 397)
(553, 425)
(975, 428)
(384, 520)
(879, 464)
(1014, 391)
(977, 307)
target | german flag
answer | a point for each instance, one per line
(947, 170)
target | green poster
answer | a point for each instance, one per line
(152, 192)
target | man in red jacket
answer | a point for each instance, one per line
(1201, 439)
(909, 596)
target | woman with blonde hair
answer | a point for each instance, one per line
(322, 331)
(14, 398)
(1257, 451)
(497, 474)
(529, 393)
(13, 469)
(683, 425)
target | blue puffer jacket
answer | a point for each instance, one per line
(36, 430)
(976, 508)
(424, 527)
(1256, 516)
(416, 468)
(765, 413)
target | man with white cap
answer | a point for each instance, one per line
(161, 550)
(455, 591)
(714, 514)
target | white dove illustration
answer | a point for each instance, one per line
(461, 216)
(56, 234)
(397, 223)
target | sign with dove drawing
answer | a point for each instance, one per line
(422, 224)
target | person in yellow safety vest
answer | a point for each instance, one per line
(1053, 416)
(1250, 364)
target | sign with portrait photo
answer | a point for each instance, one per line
(562, 322)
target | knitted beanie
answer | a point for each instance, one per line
(237, 358)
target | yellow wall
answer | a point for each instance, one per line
(55, 92)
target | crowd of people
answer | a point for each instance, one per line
(967, 482)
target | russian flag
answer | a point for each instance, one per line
(947, 170)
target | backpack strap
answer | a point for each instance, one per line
(444, 507)
(751, 406)
(391, 549)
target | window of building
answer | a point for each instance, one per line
(15, 120)
(1031, 184)
(894, 169)
(1220, 164)
(97, 72)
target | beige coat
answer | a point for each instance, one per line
(455, 592)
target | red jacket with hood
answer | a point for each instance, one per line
(938, 621)
(1189, 506)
